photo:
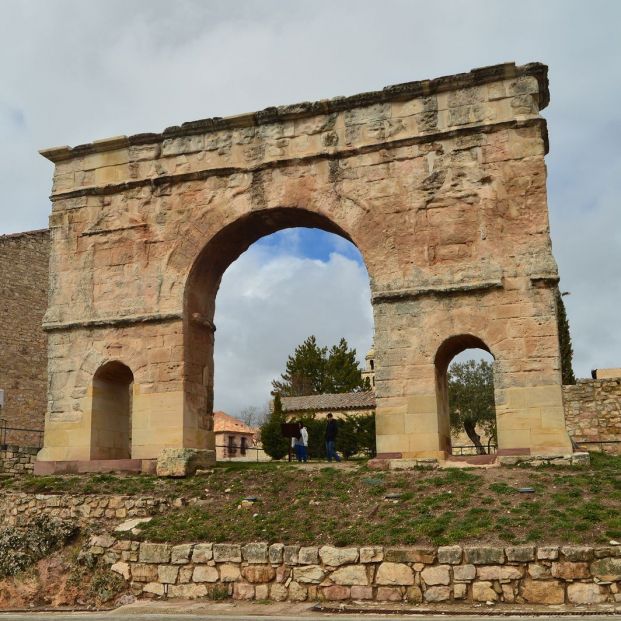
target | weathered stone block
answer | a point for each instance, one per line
(577, 553)
(394, 574)
(503, 573)
(607, 569)
(483, 592)
(389, 594)
(290, 555)
(547, 553)
(229, 572)
(142, 572)
(202, 552)
(520, 554)
(309, 574)
(570, 571)
(435, 575)
(410, 555)
(361, 592)
(155, 553)
(297, 592)
(255, 552)
(180, 554)
(308, 555)
(538, 572)
(450, 555)
(350, 575)
(227, 553)
(464, 573)
(275, 553)
(543, 592)
(205, 573)
(336, 592)
(582, 593)
(484, 555)
(258, 573)
(371, 554)
(278, 592)
(167, 574)
(122, 569)
(242, 590)
(183, 462)
(333, 557)
(437, 594)
(187, 591)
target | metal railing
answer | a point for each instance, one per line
(471, 449)
(19, 436)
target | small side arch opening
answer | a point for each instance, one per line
(111, 412)
(465, 395)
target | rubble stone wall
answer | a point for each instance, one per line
(593, 414)
(518, 574)
(17, 459)
(18, 509)
(24, 265)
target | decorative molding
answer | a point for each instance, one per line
(109, 322)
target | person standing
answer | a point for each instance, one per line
(331, 431)
(303, 442)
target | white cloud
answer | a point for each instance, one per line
(73, 71)
(269, 303)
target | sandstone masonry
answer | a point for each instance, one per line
(593, 413)
(24, 265)
(441, 184)
(516, 574)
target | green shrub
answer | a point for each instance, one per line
(22, 547)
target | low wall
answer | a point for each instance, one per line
(593, 413)
(517, 574)
(18, 509)
(17, 459)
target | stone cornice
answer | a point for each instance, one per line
(112, 322)
(199, 175)
(410, 293)
(397, 92)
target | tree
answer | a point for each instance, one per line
(271, 436)
(564, 339)
(314, 370)
(254, 416)
(471, 399)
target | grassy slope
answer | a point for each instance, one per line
(345, 507)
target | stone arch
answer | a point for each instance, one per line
(111, 411)
(448, 349)
(200, 298)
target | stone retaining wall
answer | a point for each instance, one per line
(593, 413)
(18, 509)
(518, 574)
(17, 459)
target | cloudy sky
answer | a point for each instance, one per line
(72, 71)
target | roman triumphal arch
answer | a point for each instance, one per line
(441, 184)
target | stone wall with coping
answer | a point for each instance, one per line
(16, 459)
(24, 265)
(593, 413)
(517, 574)
(18, 509)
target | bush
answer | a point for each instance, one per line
(356, 436)
(271, 436)
(22, 547)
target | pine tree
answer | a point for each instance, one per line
(313, 370)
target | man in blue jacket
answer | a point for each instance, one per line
(331, 430)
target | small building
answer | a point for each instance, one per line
(369, 368)
(606, 373)
(339, 404)
(235, 440)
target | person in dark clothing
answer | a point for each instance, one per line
(331, 431)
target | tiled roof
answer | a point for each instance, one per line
(223, 422)
(338, 402)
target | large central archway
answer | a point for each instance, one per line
(200, 299)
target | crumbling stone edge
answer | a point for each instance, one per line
(524, 574)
